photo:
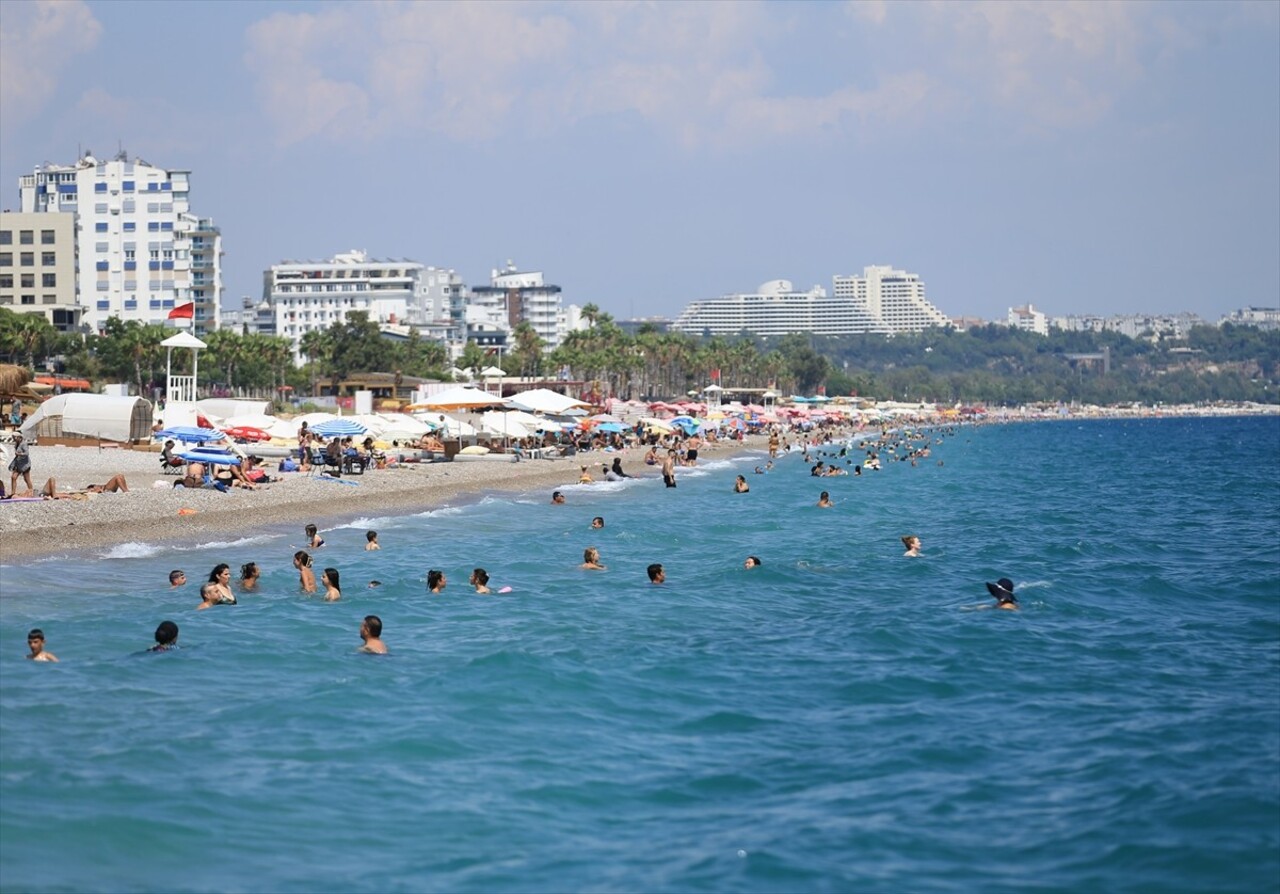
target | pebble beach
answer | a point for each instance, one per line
(149, 512)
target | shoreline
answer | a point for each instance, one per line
(148, 513)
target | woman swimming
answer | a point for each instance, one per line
(329, 577)
(314, 540)
(824, 500)
(220, 576)
(436, 581)
(249, 574)
(591, 560)
(912, 543)
(480, 580)
(306, 577)
(740, 485)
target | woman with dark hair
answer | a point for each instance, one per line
(306, 577)
(436, 581)
(220, 577)
(332, 592)
(249, 574)
(480, 580)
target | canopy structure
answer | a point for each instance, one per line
(461, 398)
(90, 416)
(544, 400)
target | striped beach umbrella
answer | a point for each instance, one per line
(338, 428)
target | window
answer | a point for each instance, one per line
(102, 265)
(46, 237)
(28, 280)
(28, 259)
(26, 237)
(6, 237)
(50, 299)
(130, 226)
(49, 280)
(100, 208)
(129, 254)
(128, 186)
(153, 226)
(6, 280)
(166, 186)
(6, 259)
(100, 186)
(48, 258)
(28, 299)
(101, 247)
(130, 265)
(153, 187)
(167, 226)
(100, 227)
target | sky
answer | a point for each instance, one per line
(1086, 157)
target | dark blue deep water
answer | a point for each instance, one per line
(841, 719)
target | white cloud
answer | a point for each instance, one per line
(476, 70)
(37, 40)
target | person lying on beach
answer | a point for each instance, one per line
(371, 633)
(115, 483)
(591, 560)
(35, 642)
(306, 577)
(193, 478)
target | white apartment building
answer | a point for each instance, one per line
(776, 308)
(38, 267)
(313, 295)
(525, 297)
(1028, 319)
(142, 251)
(1262, 317)
(894, 299)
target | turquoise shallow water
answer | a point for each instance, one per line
(841, 719)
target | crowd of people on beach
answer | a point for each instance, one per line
(822, 451)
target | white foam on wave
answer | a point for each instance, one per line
(131, 551)
(443, 510)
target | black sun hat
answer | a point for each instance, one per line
(1002, 590)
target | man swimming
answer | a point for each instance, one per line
(371, 541)
(35, 642)
(371, 633)
(177, 578)
(657, 574)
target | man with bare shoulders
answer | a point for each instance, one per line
(35, 642)
(371, 633)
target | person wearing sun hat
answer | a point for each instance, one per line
(1002, 590)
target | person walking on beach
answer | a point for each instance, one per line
(20, 465)
(35, 642)
(371, 633)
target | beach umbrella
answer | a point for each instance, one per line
(189, 434)
(340, 427)
(212, 458)
(247, 433)
(463, 397)
(617, 427)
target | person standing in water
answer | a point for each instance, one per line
(306, 577)
(371, 633)
(332, 590)
(35, 642)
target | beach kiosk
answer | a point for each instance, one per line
(180, 390)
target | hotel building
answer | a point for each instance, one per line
(142, 251)
(38, 267)
(893, 298)
(776, 308)
(525, 297)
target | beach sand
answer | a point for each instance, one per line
(149, 512)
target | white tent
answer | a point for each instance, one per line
(544, 400)
(462, 397)
(90, 416)
(223, 408)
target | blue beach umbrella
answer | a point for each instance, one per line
(190, 434)
(210, 457)
(611, 427)
(339, 427)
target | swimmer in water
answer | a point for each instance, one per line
(332, 590)
(166, 637)
(306, 577)
(597, 522)
(220, 577)
(436, 581)
(249, 574)
(177, 578)
(371, 633)
(371, 541)
(591, 560)
(374, 583)
(740, 485)
(912, 543)
(657, 574)
(824, 500)
(752, 562)
(209, 597)
(1002, 590)
(480, 580)
(557, 498)
(314, 540)
(35, 642)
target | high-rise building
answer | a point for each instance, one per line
(142, 251)
(1028, 319)
(313, 295)
(526, 299)
(894, 298)
(776, 308)
(38, 266)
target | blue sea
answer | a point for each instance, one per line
(840, 719)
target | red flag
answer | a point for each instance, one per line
(715, 375)
(187, 311)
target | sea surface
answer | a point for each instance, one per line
(841, 719)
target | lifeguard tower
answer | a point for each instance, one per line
(180, 390)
